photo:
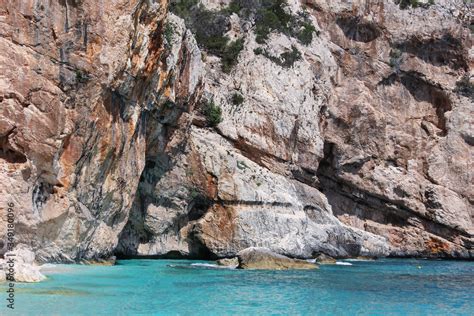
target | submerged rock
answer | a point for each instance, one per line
(264, 259)
(100, 262)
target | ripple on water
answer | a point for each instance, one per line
(395, 287)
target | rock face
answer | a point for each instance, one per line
(89, 92)
(127, 129)
(257, 258)
(24, 266)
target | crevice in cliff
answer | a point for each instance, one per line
(8, 152)
(41, 192)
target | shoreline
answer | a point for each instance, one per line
(164, 257)
(161, 258)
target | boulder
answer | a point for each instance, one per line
(324, 259)
(264, 259)
(228, 262)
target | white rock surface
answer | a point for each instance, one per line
(24, 266)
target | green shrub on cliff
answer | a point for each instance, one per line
(213, 44)
(395, 58)
(182, 8)
(275, 16)
(210, 26)
(272, 16)
(233, 7)
(285, 60)
(168, 32)
(81, 76)
(237, 99)
(213, 113)
(305, 35)
(230, 55)
(289, 58)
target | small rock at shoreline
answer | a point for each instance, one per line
(324, 259)
(264, 259)
(228, 262)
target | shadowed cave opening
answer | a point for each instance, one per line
(8, 153)
(445, 50)
(358, 30)
(137, 232)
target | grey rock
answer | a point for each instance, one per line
(228, 262)
(324, 259)
(257, 258)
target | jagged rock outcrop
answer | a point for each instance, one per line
(336, 127)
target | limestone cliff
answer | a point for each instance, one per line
(202, 128)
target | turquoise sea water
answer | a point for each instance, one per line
(175, 287)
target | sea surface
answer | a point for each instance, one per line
(178, 287)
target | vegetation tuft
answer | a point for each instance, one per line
(395, 58)
(289, 58)
(274, 15)
(169, 31)
(237, 99)
(230, 55)
(213, 113)
(210, 26)
(81, 76)
(286, 59)
(183, 8)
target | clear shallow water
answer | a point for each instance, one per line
(174, 287)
